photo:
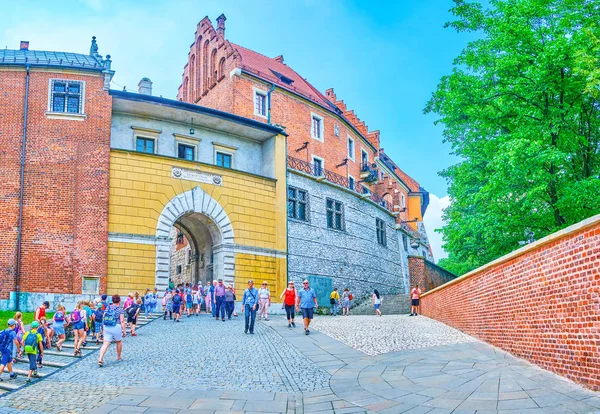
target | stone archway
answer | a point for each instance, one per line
(215, 219)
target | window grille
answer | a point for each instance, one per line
(297, 204)
(66, 96)
(335, 214)
(316, 127)
(380, 225)
(260, 104)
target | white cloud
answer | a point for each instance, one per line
(432, 221)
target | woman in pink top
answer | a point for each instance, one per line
(415, 298)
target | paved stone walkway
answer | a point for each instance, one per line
(205, 366)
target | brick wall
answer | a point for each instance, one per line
(426, 274)
(541, 303)
(65, 215)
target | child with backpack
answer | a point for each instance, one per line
(59, 320)
(42, 331)
(8, 341)
(189, 302)
(176, 304)
(19, 331)
(79, 321)
(132, 314)
(97, 318)
(32, 345)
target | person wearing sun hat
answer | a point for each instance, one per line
(8, 340)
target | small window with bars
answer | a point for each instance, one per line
(380, 225)
(260, 104)
(66, 96)
(297, 204)
(335, 214)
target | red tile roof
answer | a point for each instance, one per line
(261, 66)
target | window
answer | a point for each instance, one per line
(178, 269)
(317, 166)
(351, 182)
(335, 214)
(144, 145)
(260, 103)
(403, 200)
(179, 239)
(185, 152)
(91, 285)
(316, 130)
(66, 96)
(351, 148)
(223, 160)
(405, 242)
(297, 204)
(336, 130)
(380, 225)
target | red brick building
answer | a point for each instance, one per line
(55, 117)
(323, 133)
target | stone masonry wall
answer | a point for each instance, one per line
(541, 303)
(351, 258)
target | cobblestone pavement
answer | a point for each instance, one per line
(376, 335)
(205, 366)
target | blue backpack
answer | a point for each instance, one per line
(188, 298)
(5, 340)
(98, 315)
(176, 299)
(110, 317)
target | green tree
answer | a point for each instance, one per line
(521, 109)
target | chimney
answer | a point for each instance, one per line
(145, 87)
(221, 25)
(278, 59)
(24, 45)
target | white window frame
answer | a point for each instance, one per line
(352, 155)
(266, 95)
(313, 158)
(321, 127)
(80, 116)
(186, 140)
(403, 200)
(224, 149)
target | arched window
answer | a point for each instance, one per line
(198, 68)
(185, 89)
(221, 68)
(213, 66)
(205, 66)
(192, 72)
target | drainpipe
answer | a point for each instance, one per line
(22, 187)
(269, 103)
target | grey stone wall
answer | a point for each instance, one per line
(351, 258)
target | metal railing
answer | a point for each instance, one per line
(335, 178)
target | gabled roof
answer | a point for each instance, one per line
(263, 67)
(48, 58)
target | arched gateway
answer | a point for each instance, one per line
(210, 233)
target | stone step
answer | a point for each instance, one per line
(24, 372)
(46, 363)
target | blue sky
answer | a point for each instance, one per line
(383, 58)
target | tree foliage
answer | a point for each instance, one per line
(521, 109)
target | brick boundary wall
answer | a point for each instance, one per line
(426, 274)
(541, 303)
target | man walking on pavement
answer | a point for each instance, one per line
(307, 301)
(249, 305)
(220, 292)
(211, 292)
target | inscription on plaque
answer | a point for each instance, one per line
(195, 175)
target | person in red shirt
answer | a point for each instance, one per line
(415, 299)
(289, 302)
(41, 311)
